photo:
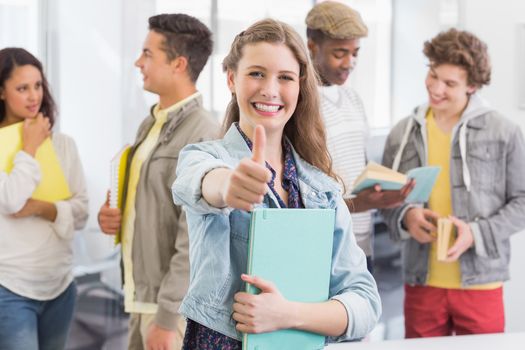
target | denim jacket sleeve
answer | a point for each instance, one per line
(195, 161)
(490, 232)
(351, 283)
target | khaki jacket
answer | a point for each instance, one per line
(160, 242)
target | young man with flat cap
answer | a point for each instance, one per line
(334, 31)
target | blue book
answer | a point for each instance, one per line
(389, 179)
(293, 249)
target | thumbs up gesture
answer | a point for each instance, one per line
(247, 184)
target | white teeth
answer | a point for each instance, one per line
(266, 108)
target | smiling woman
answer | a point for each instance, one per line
(266, 86)
(275, 141)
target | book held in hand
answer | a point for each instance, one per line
(444, 234)
(293, 249)
(118, 173)
(389, 179)
(53, 186)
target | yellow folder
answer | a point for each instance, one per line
(53, 185)
(118, 174)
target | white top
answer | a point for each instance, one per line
(36, 255)
(347, 130)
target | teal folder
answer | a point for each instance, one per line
(293, 249)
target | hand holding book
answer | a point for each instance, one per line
(464, 238)
(110, 213)
(419, 222)
(388, 179)
(109, 219)
(426, 226)
(264, 312)
(375, 198)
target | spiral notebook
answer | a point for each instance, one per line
(293, 249)
(118, 173)
(53, 186)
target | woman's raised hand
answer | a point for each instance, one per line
(34, 132)
(247, 184)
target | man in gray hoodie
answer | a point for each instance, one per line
(480, 189)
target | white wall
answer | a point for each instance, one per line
(414, 22)
(85, 59)
(371, 78)
(497, 22)
(19, 25)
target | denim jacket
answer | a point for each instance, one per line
(487, 167)
(219, 241)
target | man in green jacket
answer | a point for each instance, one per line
(154, 231)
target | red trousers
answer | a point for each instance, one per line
(433, 312)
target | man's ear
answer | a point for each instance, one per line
(230, 77)
(471, 89)
(179, 64)
(312, 47)
(2, 97)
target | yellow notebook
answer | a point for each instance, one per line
(118, 173)
(53, 185)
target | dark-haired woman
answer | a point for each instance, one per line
(37, 292)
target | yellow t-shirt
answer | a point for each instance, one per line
(443, 274)
(128, 218)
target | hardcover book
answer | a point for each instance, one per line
(389, 179)
(293, 249)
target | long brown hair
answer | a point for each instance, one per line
(305, 129)
(10, 59)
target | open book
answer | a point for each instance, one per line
(293, 249)
(444, 234)
(53, 186)
(118, 172)
(389, 179)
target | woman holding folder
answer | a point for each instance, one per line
(273, 153)
(37, 292)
